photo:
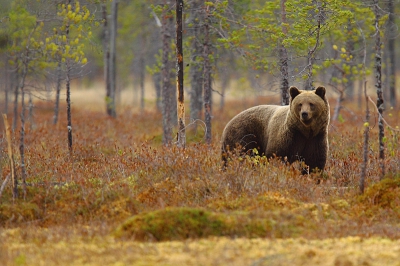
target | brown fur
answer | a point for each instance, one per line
(298, 131)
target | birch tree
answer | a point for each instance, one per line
(65, 47)
(25, 33)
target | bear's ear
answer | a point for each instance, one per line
(293, 91)
(320, 91)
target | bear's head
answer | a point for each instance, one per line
(310, 107)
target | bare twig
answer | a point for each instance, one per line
(381, 117)
(311, 53)
(11, 157)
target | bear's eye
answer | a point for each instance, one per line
(312, 106)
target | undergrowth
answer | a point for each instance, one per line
(120, 174)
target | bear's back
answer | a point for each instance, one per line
(248, 128)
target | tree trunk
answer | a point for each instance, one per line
(166, 91)
(283, 60)
(30, 117)
(6, 87)
(68, 100)
(58, 89)
(141, 79)
(106, 59)
(196, 67)
(16, 92)
(349, 85)
(21, 86)
(157, 86)
(378, 85)
(366, 140)
(68, 90)
(179, 76)
(112, 60)
(338, 106)
(22, 132)
(359, 95)
(392, 55)
(226, 77)
(224, 83)
(207, 76)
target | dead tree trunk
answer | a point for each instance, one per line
(179, 76)
(378, 85)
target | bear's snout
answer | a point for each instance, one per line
(304, 115)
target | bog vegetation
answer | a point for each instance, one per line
(121, 184)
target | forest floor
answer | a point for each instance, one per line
(121, 198)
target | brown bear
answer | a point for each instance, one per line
(298, 131)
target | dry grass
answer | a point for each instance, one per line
(119, 169)
(86, 246)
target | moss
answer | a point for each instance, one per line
(384, 194)
(183, 223)
(157, 139)
(341, 204)
(195, 136)
(23, 211)
(172, 224)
